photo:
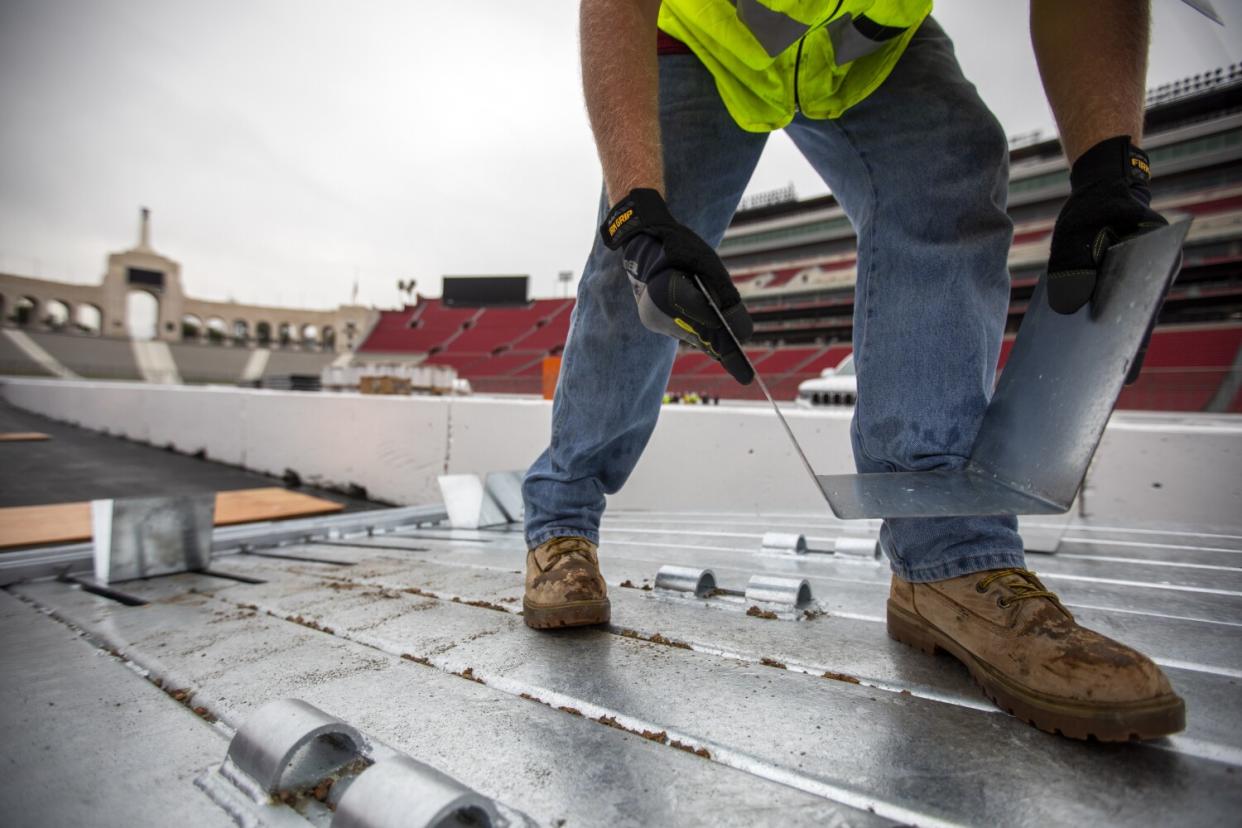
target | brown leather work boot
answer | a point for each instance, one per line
(1032, 659)
(563, 585)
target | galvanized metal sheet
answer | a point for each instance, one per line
(468, 502)
(1202, 658)
(1166, 592)
(812, 704)
(141, 537)
(506, 489)
(936, 493)
(1053, 400)
(264, 748)
(733, 712)
(403, 793)
(533, 756)
(88, 741)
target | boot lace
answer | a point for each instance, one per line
(1029, 587)
(562, 547)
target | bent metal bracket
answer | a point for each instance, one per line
(1051, 405)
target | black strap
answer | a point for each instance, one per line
(871, 30)
(642, 210)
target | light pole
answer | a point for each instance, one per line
(565, 277)
(406, 287)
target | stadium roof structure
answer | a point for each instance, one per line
(747, 685)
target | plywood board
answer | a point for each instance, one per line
(22, 436)
(273, 503)
(71, 522)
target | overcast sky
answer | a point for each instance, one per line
(289, 148)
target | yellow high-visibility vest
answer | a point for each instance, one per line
(774, 58)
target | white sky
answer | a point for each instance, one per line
(289, 148)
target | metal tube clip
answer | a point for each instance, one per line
(671, 578)
(402, 793)
(784, 542)
(792, 592)
(287, 744)
(857, 547)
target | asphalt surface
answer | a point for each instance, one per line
(77, 464)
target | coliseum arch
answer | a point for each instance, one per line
(25, 309)
(191, 327)
(142, 314)
(88, 318)
(54, 314)
(217, 330)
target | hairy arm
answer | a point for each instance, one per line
(620, 75)
(1093, 61)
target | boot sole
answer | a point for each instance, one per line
(574, 614)
(1113, 723)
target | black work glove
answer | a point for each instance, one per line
(1109, 201)
(1110, 198)
(661, 258)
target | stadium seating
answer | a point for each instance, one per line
(688, 362)
(551, 335)
(501, 350)
(108, 358)
(418, 330)
(15, 362)
(1185, 368)
(391, 332)
(206, 363)
(96, 357)
(499, 328)
(282, 363)
(498, 348)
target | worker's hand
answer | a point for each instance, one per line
(1109, 201)
(662, 257)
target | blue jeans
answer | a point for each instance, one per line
(921, 169)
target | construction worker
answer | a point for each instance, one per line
(681, 97)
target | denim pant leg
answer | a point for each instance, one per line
(921, 168)
(614, 371)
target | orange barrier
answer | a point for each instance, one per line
(551, 372)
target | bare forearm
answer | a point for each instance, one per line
(1093, 61)
(620, 75)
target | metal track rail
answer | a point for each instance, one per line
(53, 561)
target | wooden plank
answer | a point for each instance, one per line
(272, 503)
(57, 523)
(71, 522)
(22, 436)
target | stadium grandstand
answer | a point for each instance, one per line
(499, 349)
(794, 263)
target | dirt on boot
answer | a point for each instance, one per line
(563, 585)
(1032, 658)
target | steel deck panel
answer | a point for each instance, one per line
(1211, 645)
(854, 648)
(558, 768)
(63, 701)
(1200, 656)
(913, 739)
(846, 585)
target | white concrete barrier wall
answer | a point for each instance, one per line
(1168, 469)
(1185, 470)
